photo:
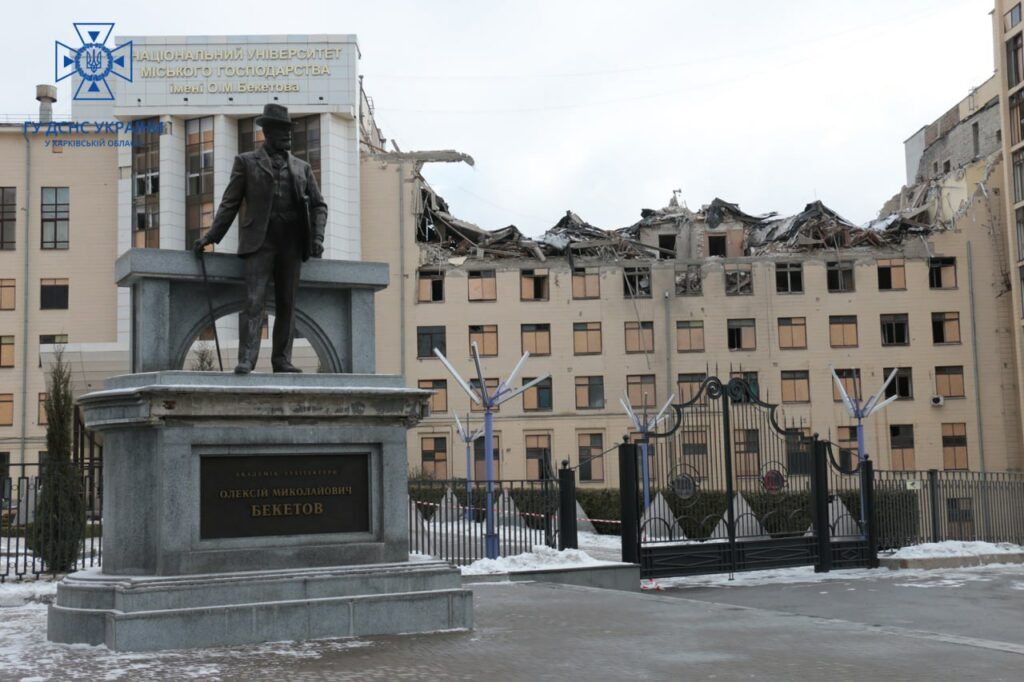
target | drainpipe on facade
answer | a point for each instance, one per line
(26, 199)
(668, 348)
(401, 267)
(977, 384)
(974, 353)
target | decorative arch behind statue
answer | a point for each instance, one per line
(170, 309)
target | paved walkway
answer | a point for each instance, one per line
(548, 632)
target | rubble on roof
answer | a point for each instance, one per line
(815, 228)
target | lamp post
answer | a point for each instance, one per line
(468, 437)
(502, 393)
(644, 425)
(860, 413)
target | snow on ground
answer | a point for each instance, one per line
(908, 577)
(542, 557)
(25, 653)
(955, 548)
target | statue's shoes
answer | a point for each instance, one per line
(243, 368)
(287, 367)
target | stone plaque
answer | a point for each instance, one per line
(283, 495)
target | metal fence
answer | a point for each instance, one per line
(19, 504)
(18, 516)
(447, 518)
(912, 507)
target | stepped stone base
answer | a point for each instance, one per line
(146, 613)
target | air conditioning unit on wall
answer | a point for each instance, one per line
(938, 401)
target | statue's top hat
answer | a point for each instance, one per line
(274, 114)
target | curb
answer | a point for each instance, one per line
(625, 577)
(951, 561)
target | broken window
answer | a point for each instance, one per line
(949, 381)
(486, 338)
(748, 452)
(639, 337)
(1014, 60)
(840, 276)
(430, 286)
(1020, 231)
(842, 331)
(850, 378)
(429, 338)
(946, 327)
(892, 275)
(945, 166)
(741, 334)
(586, 338)
(942, 273)
(642, 390)
(954, 445)
(536, 339)
(902, 384)
(480, 457)
(716, 245)
(438, 401)
(690, 336)
(483, 285)
(1011, 18)
(533, 285)
(751, 380)
(667, 244)
(636, 282)
(976, 139)
(901, 446)
(590, 447)
(739, 279)
(586, 283)
(490, 385)
(789, 278)
(1016, 117)
(792, 333)
(589, 392)
(689, 281)
(689, 385)
(846, 438)
(538, 398)
(796, 387)
(434, 457)
(538, 456)
(895, 330)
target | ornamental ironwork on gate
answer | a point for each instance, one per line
(725, 488)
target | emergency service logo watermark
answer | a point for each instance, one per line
(93, 61)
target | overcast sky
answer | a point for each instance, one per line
(604, 108)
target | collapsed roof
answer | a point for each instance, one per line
(817, 227)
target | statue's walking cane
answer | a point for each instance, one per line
(209, 303)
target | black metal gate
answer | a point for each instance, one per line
(727, 489)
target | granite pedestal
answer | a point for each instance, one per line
(250, 508)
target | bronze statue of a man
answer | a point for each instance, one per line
(283, 226)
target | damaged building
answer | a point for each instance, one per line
(651, 309)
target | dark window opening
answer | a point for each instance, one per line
(716, 245)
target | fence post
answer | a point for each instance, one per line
(567, 537)
(869, 515)
(628, 504)
(819, 494)
(933, 498)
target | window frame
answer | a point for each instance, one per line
(690, 330)
(784, 271)
(642, 333)
(735, 327)
(840, 268)
(484, 333)
(586, 331)
(53, 214)
(589, 386)
(792, 325)
(488, 286)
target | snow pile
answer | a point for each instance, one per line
(542, 557)
(955, 548)
(19, 593)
